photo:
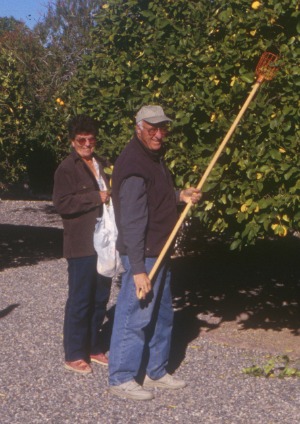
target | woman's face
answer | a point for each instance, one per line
(84, 144)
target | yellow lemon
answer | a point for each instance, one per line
(283, 231)
(232, 82)
(256, 5)
(286, 218)
(244, 208)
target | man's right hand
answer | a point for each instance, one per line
(142, 285)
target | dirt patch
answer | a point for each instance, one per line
(283, 342)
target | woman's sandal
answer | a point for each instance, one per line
(101, 359)
(79, 366)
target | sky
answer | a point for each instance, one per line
(28, 11)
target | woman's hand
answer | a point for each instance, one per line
(104, 195)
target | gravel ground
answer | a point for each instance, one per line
(35, 388)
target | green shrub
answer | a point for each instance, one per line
(197, 60)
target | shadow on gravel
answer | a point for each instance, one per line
(259, 286)
(106, 329)
(22, 245)
(8, 310)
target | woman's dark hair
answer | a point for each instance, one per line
(81, 124)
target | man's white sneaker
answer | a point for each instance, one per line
(131, 390)
(165, 382)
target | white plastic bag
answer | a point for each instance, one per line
(105, 236)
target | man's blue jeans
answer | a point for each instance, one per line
(140, 325)
(85, 308)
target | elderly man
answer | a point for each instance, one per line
(146, 212)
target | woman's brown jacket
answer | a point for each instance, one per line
(76, 198)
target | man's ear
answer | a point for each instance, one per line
(138, 130)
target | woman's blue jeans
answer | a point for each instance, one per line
(85, 308)
(140, 325)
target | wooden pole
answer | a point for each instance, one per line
(204, 178)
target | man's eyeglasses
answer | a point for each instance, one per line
(83, 140)
(153, 131)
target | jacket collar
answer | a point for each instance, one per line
(77, 157)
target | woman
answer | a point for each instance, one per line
(80, 189)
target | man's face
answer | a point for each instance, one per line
(152, 135)
(84, 144)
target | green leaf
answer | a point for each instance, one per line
(165, 77)
(247, 77)
(275, 154)
(235, 244)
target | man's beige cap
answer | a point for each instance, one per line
(152, 114)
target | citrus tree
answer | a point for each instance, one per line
(31, 121)
(197, 60)
(14, 119)
(35, 68)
